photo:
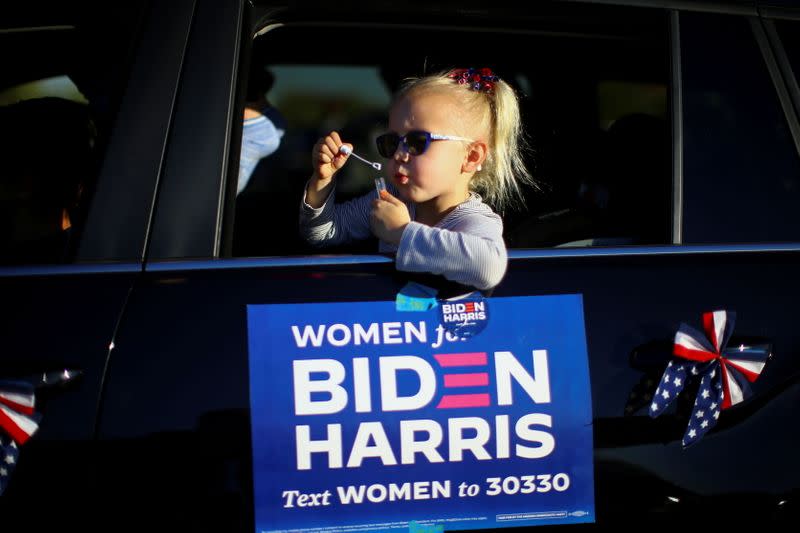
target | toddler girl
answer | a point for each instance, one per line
(453, 136)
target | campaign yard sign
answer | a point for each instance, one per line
(368, 418)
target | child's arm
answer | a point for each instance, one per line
(332, 224)
(326, 159)
(470, 250)
(322, 222)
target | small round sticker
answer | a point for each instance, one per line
(464, 316)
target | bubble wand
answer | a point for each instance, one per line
(346, 150)
(380, 184)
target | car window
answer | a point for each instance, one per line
(594, 107)
(741, 168)
(304, 102)
(59, 93)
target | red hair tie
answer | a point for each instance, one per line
(481, 80)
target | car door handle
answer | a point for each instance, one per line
(52, 376)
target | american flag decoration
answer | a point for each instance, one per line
(724, 372)
(18, 423)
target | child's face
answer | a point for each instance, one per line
(436, 175)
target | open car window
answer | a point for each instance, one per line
(64, 71)
(593, 94)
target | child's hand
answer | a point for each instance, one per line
(326, 158)
(389, 218)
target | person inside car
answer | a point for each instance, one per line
(263, 126)
(40, 196)
(432, 215)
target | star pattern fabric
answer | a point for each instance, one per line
(724, 372)
(9, 454)
(18, 423)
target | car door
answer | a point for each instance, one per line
(175, 424)
(62, 306)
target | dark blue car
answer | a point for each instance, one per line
(665, 141)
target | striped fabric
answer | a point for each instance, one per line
(466, 246)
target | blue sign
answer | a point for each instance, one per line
(366, 418)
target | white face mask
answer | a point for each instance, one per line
(260, 138)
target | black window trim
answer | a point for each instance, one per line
(732, 8)
(676, 101)
(191, 191)
(778, 80)
(781, 13)
(119, 221)
(515, 255)
(789, 77)
(69, 270)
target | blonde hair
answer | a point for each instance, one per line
(497, 113)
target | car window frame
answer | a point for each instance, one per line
(214, 249)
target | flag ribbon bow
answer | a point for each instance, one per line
(725, 372)
(18, 423)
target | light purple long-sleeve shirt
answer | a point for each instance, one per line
(466, 246)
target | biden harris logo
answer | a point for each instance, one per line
(466, 316)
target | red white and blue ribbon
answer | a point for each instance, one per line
(725, 372)
(18, 423)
